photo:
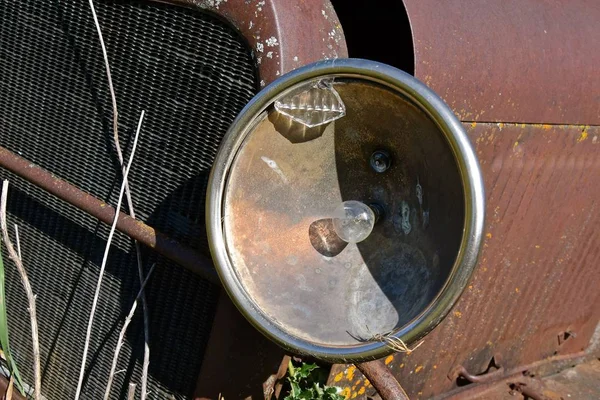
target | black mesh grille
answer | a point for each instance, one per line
(192, 74)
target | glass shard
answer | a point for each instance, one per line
(316, 104)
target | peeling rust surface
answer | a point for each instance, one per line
(558, 378)
(537, 278)
(581, 382)
(511, 60)
(283, 35)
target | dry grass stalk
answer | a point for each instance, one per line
(391, 341)
(37, 376)
(394, 343)
(18, 241)
(104, 259)
(113, 367)
(113, 97)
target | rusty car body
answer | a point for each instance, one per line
(522, 76)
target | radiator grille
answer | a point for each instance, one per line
(192, 74)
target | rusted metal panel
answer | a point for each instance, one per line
(581, 382)
(133, 228)
(284, 35)
(537, 278)
(238, 359)
(553, 378)
(511, 60)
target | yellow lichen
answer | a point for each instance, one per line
(338, 377)
(350, 372)
(583, 135)
(346, 393)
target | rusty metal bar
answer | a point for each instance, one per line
(484, 378)
(4, 387)
(489, 377)
(382, 379)
(133, 228)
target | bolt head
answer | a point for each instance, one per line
(380, 161)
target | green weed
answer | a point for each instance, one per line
(4, 345)
(305, 384)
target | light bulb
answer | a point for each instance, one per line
(353, 221)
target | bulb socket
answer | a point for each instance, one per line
(377, 210)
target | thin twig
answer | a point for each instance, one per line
(122, 335)
(105, 258)
(146, 364)
(9, 389)
(113, 97)
(37, 376)
(18, 241)
(131, 393)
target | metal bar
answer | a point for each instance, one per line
(489, 377)
(146, 235)
(382, 379)
(486, 377)
(4, 387)
(540, 368)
